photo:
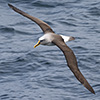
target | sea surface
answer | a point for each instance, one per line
(28, 73)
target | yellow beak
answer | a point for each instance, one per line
(37, 44)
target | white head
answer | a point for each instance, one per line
(46, 39)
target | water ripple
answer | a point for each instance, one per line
(42, 73)
(94, 11)
(6, 29)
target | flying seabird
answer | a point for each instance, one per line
(50, 38)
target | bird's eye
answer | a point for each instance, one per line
(42, 40)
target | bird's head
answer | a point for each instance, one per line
(46, 39)
(41, 41)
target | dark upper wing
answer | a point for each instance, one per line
(44, 26)
(72, 63)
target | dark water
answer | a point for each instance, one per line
(41, 73)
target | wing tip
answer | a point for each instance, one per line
(11, 6)
(92, 91)
(89, 87)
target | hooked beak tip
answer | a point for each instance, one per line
(37, 44)
(34, 46)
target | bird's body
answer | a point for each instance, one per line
(47, 39)
(50, 38)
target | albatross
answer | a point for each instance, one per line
(50, 38)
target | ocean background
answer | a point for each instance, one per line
(42, 73)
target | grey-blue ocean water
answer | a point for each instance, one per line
(42, 73)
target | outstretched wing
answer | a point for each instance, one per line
(44, 26)
(72, 62)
